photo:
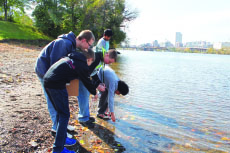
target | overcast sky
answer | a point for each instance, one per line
(197, 20)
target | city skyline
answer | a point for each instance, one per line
(196, 20)
(178, 42)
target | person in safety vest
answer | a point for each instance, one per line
(101, 58)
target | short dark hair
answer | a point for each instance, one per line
(86, 34)
(123, 88)
(108, 32)
(112, 54)
(89, 53)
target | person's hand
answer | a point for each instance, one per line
(112, 115)
(94, 98)
(101, 87)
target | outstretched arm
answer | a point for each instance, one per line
(85, 78)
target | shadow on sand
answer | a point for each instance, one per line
(108, 137)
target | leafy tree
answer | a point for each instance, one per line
(187, 50)
(5, 8)
(102, 14)
(22, 18)
(54, 17)
(10, 7)
(73, 16)
(211, 51)
(48, 17)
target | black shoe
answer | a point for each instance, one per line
(88, 124)
(53, 133)
(91, 119)
(103, 116)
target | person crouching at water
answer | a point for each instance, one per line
(101, 58)
(74, 66)
(113, 86)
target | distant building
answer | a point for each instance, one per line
(198, 44)
(221, 45)
(166, 44)
(178, 42)
(146, 45)
(155, 43)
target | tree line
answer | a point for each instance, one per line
(54, 17)
(223, 51)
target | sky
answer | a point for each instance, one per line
(197, 20)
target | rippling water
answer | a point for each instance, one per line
(178, 102)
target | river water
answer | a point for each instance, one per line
(178, 102)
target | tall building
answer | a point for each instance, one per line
(178, 42)
(155, 43)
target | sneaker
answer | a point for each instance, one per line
(66, 151)
(88, 124)
(70, 142)
(91, 119)
(53, 133)
(69, 135)
(70, 128)
(103, 116)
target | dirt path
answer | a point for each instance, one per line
(24, 120)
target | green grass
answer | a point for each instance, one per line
(9, 30)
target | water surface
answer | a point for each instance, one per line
(178, 102)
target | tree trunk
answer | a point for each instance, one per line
(56, 5)
(5, 9)
(73, 18)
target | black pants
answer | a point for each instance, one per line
(103, 102)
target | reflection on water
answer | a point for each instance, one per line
(177, 102)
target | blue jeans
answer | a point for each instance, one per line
(59, 99)
(83, 103)
(51, 109)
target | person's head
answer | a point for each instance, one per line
(90, 56)
(85, 39)
(107, 34)
(122, 88)
(110, 56)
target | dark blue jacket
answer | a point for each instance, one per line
(66, 69)
(55, 50)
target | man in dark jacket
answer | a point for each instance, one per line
(51, 53)
(83, 98)
(75, 66)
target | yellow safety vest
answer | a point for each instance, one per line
(102, 64)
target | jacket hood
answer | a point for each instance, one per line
(70, 36)
(78, 56)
